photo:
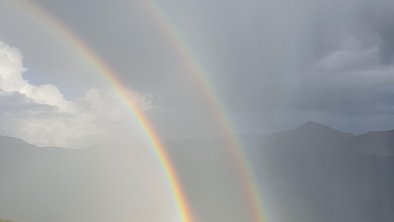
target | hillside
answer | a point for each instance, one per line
(311, 173)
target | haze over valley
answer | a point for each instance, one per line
(197, 111)
(305, 174)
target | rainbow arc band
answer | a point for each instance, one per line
(202, 83)
(91, 57)
(218, 113)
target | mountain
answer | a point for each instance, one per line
(320, 174)
(311, 173)
(307, 174)
(44, 184)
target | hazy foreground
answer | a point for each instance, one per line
(312, 173)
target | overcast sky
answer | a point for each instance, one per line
(273, 64)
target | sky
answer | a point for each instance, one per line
(272, 64)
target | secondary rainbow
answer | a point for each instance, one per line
(202, 83)
(100, 65)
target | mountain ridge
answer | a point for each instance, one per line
(309, 127)
(306, 174)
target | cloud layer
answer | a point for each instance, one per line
(40, 114)
(285, 61)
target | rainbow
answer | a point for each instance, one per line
(83, 49)
(202, 83)
(218, 113)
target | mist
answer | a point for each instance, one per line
(287, 100)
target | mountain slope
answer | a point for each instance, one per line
(311, 173)
(320, 174)
(99, 184)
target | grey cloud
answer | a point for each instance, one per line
(258, 55)
(16, 102)
(41, 115)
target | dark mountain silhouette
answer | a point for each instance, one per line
(311, 173)
(44, 184)
(308, 174)
(320, 174)
(11, 142)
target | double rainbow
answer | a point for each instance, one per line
(195, 69)
(218, 113)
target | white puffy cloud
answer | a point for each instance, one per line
(41, 115)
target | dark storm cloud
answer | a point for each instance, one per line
(378, 15)
(354, 75)
(304, 59)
